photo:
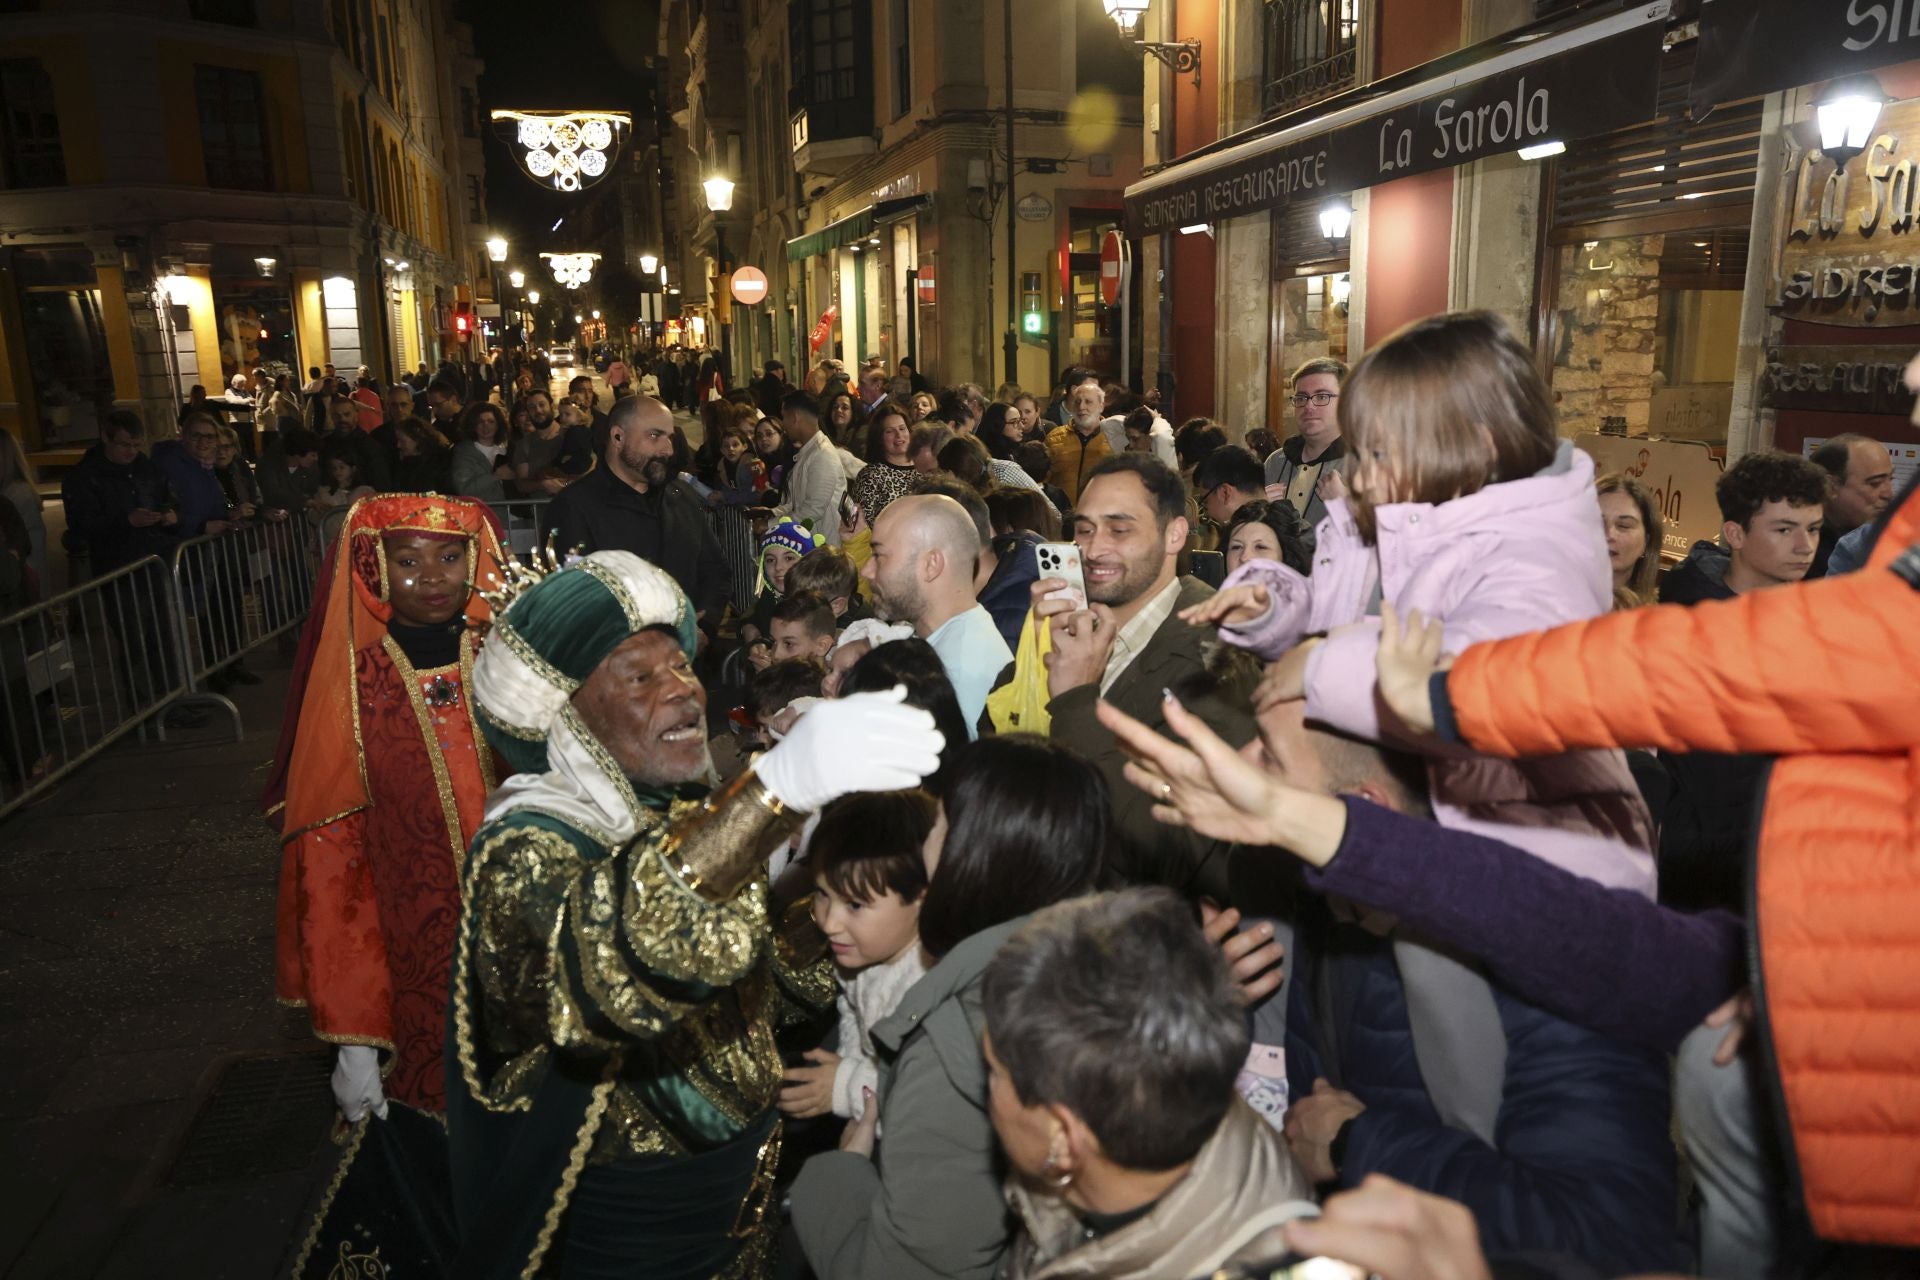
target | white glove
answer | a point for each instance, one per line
(862, 742)
(356, 1082)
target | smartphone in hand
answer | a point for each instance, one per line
(1062, 560)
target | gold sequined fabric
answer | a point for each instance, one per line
(588, 953)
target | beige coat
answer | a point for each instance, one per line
(1242, 1186)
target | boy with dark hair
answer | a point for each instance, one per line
(869, 876)
(771, 696)
(802, 626)
(1772, 505)
(830, 572)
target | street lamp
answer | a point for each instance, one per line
(1336, 219)
(719, 191)
(1846, 113)
(648, 264)
(596, 315)
(497, 249)
(1182, 57)
(518, 279)
(533, 296)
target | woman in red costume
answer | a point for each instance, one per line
(379, 783)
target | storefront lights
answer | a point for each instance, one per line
(1846, 112)
(567, 150)
(497, 249)
(265, 265)
(1336, 220)
(1540, 151)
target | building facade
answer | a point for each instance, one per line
(868, 141)
(198, 188)
(1642, 195)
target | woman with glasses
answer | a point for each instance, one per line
(1305, 471)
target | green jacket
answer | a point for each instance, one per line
(930, 1205)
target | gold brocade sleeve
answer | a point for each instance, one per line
(802, 966)
(589, 953)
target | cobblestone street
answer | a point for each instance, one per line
(162, 1115)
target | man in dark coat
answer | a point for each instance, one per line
(634, 503)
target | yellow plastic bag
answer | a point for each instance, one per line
(1020, 705)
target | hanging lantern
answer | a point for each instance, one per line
(571, 270)
(565, 150)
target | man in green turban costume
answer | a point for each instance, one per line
(617, 982)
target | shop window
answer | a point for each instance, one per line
(256, 325)
(1090, 335)
(1646, 234)
(1312, 49)
(1311, 295)
(1638, 316)
(233, 128)
(235, 13)
(66, 341)
(29, 125)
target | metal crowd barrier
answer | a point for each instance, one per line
(521, 518)
(80, 670)
(236, 590)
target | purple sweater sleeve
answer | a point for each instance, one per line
(1606, 959)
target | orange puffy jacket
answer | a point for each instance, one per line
(1826, 676)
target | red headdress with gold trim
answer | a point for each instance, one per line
(318, 773)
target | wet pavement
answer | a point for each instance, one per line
(136, 951)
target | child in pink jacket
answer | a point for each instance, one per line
(1466, 505)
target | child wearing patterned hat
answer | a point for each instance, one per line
(781, 548)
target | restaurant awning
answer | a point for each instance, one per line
(1541, 84)
(1751, 47)
(853, 228)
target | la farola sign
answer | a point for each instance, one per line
(1591, 87)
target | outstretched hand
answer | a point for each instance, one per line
(1205, 785)
(1230, 607)
(1408, 658)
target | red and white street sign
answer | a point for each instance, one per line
(749, 285)
(926, 287)
(1116, 263)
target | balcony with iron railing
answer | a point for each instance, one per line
(1312, 49)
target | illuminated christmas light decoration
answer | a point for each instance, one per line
(565, 150)
(571, 269)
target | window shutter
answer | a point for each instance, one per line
(1670, 174)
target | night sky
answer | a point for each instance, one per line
(555, 54)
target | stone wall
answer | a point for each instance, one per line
(1606, 314)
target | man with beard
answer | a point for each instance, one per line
(386, 436)
(617, 980)
(581, 392)
(926, 551)
(1129, 646)
(548, 454)
(634, 503)
(1080, 446)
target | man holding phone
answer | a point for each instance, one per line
(1127, 646)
